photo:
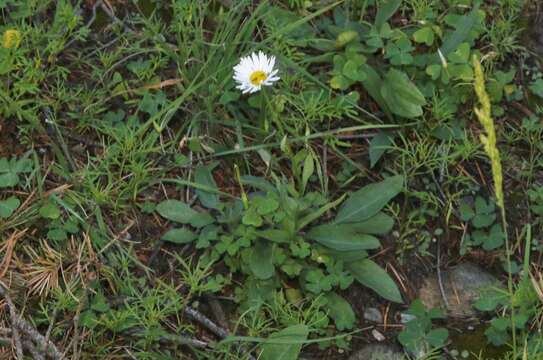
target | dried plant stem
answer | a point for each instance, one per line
(20, 325)
(15, 331)
(206, 322)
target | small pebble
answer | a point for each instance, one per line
(405, 318)
(377, 335)
(454, 352)
(374, 315)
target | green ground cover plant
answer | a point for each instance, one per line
(242, 179)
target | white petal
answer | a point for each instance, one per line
(271, 63)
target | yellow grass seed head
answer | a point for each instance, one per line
(489, 139)
(11, 39)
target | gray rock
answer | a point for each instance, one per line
(461, 286)
(377, 352)
(374, 315)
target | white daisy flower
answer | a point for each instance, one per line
(255, 71)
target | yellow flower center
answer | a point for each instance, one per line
(258, 77)
(11, 39)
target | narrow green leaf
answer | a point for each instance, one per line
(402, 96)
(179, 236)
(342, 237)
(369, 274)
(176, 210)
(309, 168)
(461, 33)
(318, 213)
(201, 219)
(369, 200)
(385, 12)
(379, 224)
(285, 344)
(373, 83)
(378, 145)
(258, 183)
(346, 256)
(203, 176)
(275, 235)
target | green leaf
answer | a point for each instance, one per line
(203, 176)
(483, 220)
(339, 82)
(537, 87)
(461, 54)
(57, 234)
(9, 179)
(260, 260)
(275, 235)
(179, 236)
(497, 337)
(437, 337)
(308, 169)
(403, 98)
(251, 218)
(466, 211)
(370, 274)
(373, 83)
(342, 237)
(346, 37)
(8, 207)
(378, 145)
(424, 35)
(201, 219)
(433, 70)
(285, 344)
(319, 212)
(379, 224)
(495, 238)
(353, 71)
(291, 268)
(385, 11)
(228, 97)
(461, 32)
(50, 211)
(369, 200)
(340, 311)
(346, 256)
(265, 205)
(176, 210)
(277, 18)
(258, 183)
